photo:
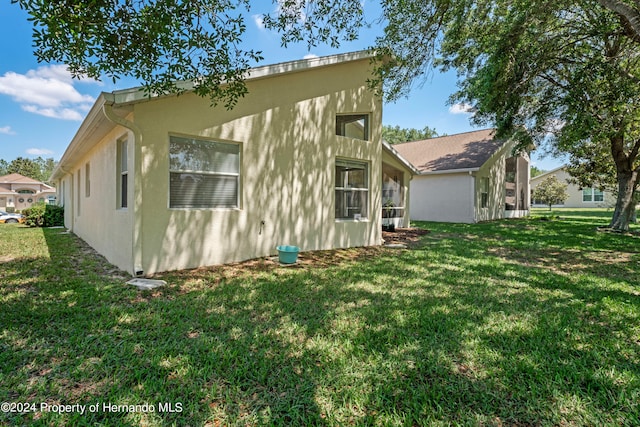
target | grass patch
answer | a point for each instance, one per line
(520, 322)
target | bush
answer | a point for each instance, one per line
(43, 215)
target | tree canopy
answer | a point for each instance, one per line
(396, 134)
(550, 191)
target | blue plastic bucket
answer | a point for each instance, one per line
(288, 254)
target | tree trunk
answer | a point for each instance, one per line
(627, 177)
(625, 204)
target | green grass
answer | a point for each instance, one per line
(521, 322)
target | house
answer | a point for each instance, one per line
(171, 182)
(18, 192)
(578, 197)
(467, 178)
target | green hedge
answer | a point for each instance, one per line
(43, 215)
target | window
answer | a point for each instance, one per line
(78, 191)
(123, 173)
(592, 195)
(598, 195)
(203, 174)
(353, 126)
(87, 180)
(484, 192)
(392, 192)
(352, 189)
(26, 192)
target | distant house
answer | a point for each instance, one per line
(467, 178)
(17, 192)
(578, 197)
(170, 182)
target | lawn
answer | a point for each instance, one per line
(520, 322)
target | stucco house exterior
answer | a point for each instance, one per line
(578, 197)
(170, 182)
(467, 178)
(18, 192)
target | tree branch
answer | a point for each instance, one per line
(629, 15)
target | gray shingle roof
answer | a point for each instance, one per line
(469, 150)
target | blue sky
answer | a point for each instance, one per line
(41, 107)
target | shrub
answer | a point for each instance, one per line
(43, 215)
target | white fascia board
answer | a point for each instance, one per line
(137, 94)
(450, 171)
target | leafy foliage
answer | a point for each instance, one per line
(44, 215)
(535, 171)
(551, 191)
(396, 134)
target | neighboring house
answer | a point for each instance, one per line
(467, 178)
(170, 182)
(578, 197)
(17, 192)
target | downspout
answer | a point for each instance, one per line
(107, 109)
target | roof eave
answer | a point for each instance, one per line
(449, 171)
(394, 153)
(138, 94)
(93, 118)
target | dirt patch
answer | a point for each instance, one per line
(311, 259)
(404, 236)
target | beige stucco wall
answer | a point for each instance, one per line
(575, 193)
(286, 129)
(494, 169)
(98, 221)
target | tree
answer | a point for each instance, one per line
(535, 171)
(564, 73)
(550, 192)
(396, 134)
(4, 166)
(25, 167)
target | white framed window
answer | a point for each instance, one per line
(352, 189)
(353, 126)
(87, 180)
(592, 195)
(78, 191)
(203, 174)
(598, 195)
(484, 192)
(122, 173)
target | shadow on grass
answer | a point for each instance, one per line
(448, 333)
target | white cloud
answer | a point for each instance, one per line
(6, 130)
(39, 152)
(47, 91)
(310, 56)
(257, 19)
(461, 109)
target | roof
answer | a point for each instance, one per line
(119, 104)
(463, 151)
(394, 153)
(545, 174)
(16, 178)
